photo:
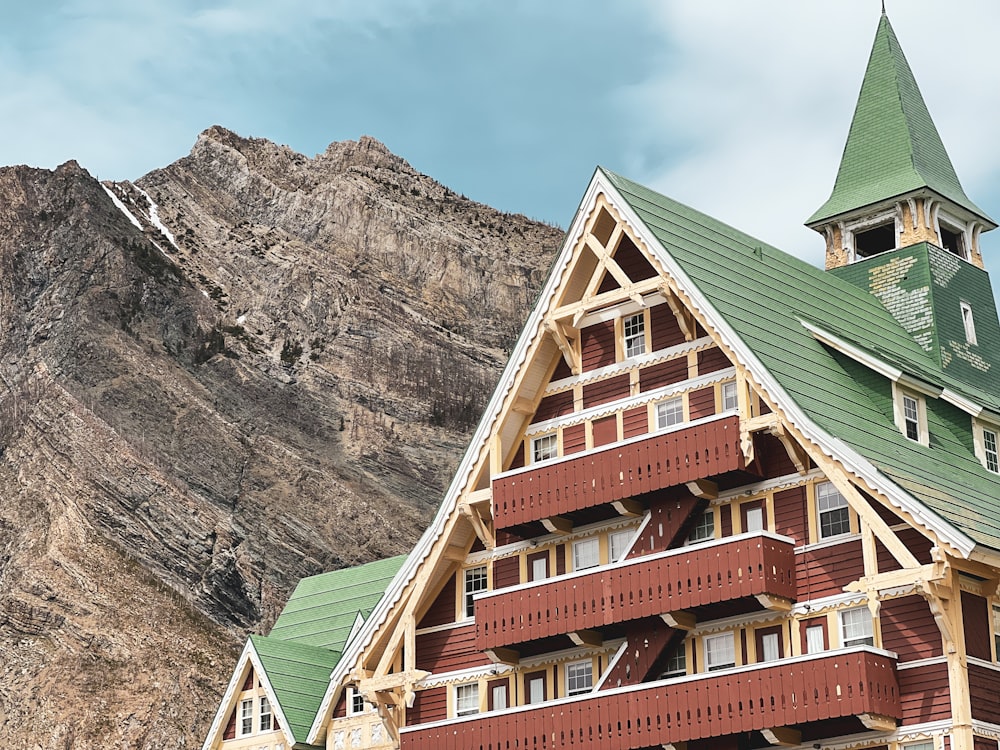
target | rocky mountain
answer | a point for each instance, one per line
(246, 367)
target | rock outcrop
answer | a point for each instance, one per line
(244, 368)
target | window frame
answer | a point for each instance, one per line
(637, 338)
(588, 542)
(353, 694)
(699, 524)
(820, 512)
(244, 717)
(585, 664)
(468, 688)
(900, 396)
(968, 323)
(989, 458)
(621, 534)
(677, 661)
(725, 396)
(549, 452)
(719, 637)
(468, 593)
(867, 619)
(264, 702)
(662, 414)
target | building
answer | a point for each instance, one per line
(720, 498)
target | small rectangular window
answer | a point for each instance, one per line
(618, 542)
(466, 699)
(498, 696)
(579, 677)
(969, 323)
(544, 447)
(586, 554)
(729, 400)
(996, 632)
(831, 511)
(265, 714)
(911, 418)
(720, 652)
(635, 335)
(704, 528)
(754, 519)
(475, 581)
(676, 663)
(769, 647)
(669, 413)
(356, 704)
(536, 688)
(856, 627)
(540, 567)
(990, 450)
(246, 716)
(815, 639)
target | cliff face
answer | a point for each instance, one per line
(244, 368)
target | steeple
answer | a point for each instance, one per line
(896, 185)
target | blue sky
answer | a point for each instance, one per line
(738, 108)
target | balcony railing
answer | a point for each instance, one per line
(620, 471)
(726, 569)
(791, 692)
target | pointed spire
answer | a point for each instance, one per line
(893, 147)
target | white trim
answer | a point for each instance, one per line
(466, 623)
(917, 663)
(621, 310)
(983, 663)
(832, 541)
(674, 389)
(514, 548)
(656, 683)
(618, 368)
(827, 603)
(611, 665)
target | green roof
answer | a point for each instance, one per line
(311, 633)
(738, 276)
(893, 147)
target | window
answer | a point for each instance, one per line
(753, 518)
(769, 647)
(586, 554)
(832, 512)
(953, 241)
(466, 699)
(246, 716)
(635, 335)
(729, 400)
(990, 456)
(475, 581)
(875, 240)
(911, 418)
(928, 745)
(265, 714)
(498, 697)
(539, 566)
(968, 323)
(996, 632)
(676, 663)
(856, 627)
(669, 412)
(704, 528)
(815, 639)
(544, 447)
(536, 687)
(618, 543)
(720, 652)
(579, 677)
(355, 702)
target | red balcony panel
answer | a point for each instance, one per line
(728, 569)
(788, 693)
(623, 470)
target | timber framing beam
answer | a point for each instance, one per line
(679, 620)
(782, 736)
(577, 310)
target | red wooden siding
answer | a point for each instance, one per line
(635, 422)
(631, 260)
(825, 571)
(648, 640)
(976, 623)
(924, 693)
(618, 472)
(908, 628)
(664, 329)
(669, 514)
(597, 345)
(574, 438)
(712, 360)
(340, 710)
(984, 743)
(248, 682)
(560, 559)
(641, 587)
(813, 689)
(506, 572)
(605, 431)
(554, 406)
(726, 520)
(230, 733)
(605, 391)
(790, 513)
(562, 370)
(664, 373)
(984, 687)
(428, 705)
(443, 609)
(518, 461)
(449, 650)
(701, 403)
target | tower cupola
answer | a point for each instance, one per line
(896, 185)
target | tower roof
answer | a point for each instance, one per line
(893, 147)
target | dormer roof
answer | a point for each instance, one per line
(893, 148)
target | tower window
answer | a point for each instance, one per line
(969, 323)
(953, 242)
(880, 239)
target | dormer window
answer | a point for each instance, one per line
(874, 240)
(987, 443)
(910, 414)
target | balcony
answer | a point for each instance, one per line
(750, 565)
(623, 470)
(852, 682)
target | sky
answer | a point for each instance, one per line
(737, 108)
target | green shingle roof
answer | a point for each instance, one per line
(311, 633)
(893, 147)
(762, 294)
